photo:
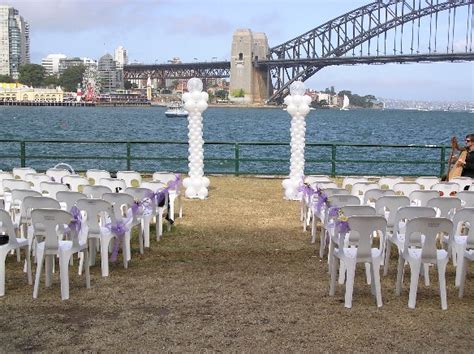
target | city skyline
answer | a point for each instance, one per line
(154, 31)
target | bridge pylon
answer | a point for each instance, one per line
(248, 84)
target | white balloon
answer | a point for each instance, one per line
(297, 88)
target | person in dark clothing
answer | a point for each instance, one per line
(467, 163)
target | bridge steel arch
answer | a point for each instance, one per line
(337, 37)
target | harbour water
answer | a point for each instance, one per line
(234, 125)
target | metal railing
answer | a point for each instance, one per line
(238, 158)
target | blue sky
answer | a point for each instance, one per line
(157, 30)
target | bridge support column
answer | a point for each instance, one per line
(248, 84)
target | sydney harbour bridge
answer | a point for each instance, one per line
(383, 31)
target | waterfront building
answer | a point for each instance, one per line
(51, 63)
(22, 93)
(14, 41)
(121, 57)
(110, 77)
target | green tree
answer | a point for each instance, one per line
(238, 93)
(221, 94)
(31, 75)
(51, 80)
(71, 77)
(6, 78)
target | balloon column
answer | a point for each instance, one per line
(298, 107)
(195, 102)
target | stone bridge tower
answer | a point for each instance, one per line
(244, 77)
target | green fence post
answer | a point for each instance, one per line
(22, 154)
(333, 160)
(442, 162)
(237, 157)
(129, 157)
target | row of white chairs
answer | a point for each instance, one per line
(55, 180)
(101, 211)
(388, 203)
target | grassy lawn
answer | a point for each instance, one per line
(236, 273)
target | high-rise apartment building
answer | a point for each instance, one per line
(121, 57)
(14, 41)
(51, 63)
(110, 76)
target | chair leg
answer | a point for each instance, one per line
(342, 272)
(442, 283)
(368, 273)
(376, 283)
(64, 276)
(313, 230)
(322, 243)
(146, 233)
(104, 258)
(400, 270)
(415, 276)
(426, 274)
(87, 268)
(28, 266)
(140, 241)
(332, 285)
(39, 266)
(462, 277)
(388, 249)
(81, 263)
(349, 285)
(49, 259)
(459, 265)
(2, 274)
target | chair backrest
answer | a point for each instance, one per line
(406, 213)
(131, 178)
(21, 172)
(164, 177)
(388, 206)
(52, 188)
(47, 221)
(94, 176)
(446, 189)
(36, 179)
(349, 181)
(57, 174)
(7, 228)
(352, 210)
(141, 194)
(115, 184)
(364, 227)
(332, 191)
(340, 200)
(69, 198)
(19, 195)
(388, 182)
(95, 209)
(430, 228)
(121, 202)
(153, 185)
(359, 188)
(427, 182)
(463, 219)
(447, 206)
(4, 175)
(96, 192)
(75, 182)
(324, 184)
(462, 181)
(11, 184)
(405, 188)
(371, 195)
(467, 198)
(420, 198)
(317, 178)
(31, 203)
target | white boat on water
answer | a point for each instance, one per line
(345, 104)
(176, 110)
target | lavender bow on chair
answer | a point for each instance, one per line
(76, 222)
(119, 229)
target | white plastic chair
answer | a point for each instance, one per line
(14, 243)
(421, 197)
(95, 210)
(68, 199)
(51, 189)
(131, 178)
(156, 186)
(4, 175)
(428, 253)
(75, 182)
(388, 182)
(52, 221)
(427, 182)
(397, 237)
(360, 251)
(57, 174)
(16, 207)
(371, 195)
(21, 172)
(467, 198)
(349, 181)
(94, 176)
(405, 188)
(446, 207)
(36, 179)
(468, 256)
(174, 194)
(388, 205)
(115, 184)
(462, 181)
(95, 191)
(446, 189)
(147, 213)
(359, 189)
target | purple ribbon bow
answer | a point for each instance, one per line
(76, 222)
(119, 229)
